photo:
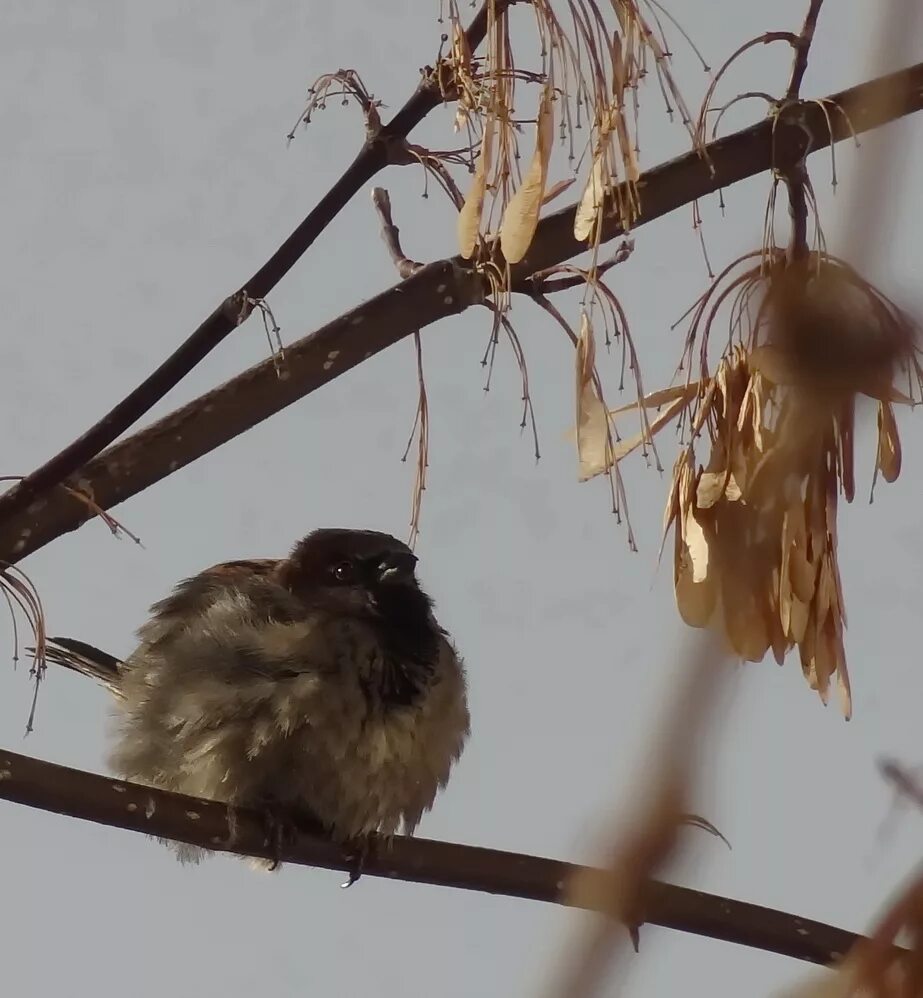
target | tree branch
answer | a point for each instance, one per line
(391, 234)
(802, 50)
(796, 175)
(438, 290)
(738, 156)
(107, 801)
(375, 154)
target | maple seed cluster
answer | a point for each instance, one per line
(755, 537)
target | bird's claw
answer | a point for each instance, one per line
(634, 933)
(280, 829)
(283, 823)
(357, 853)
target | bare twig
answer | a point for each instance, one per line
(107, 801)
(440, 289)
(391, 234)
(802, 50)
(796, 175)
(420, 427)
(765, 39)
(545, 283)
(374, 155)
(796, 181)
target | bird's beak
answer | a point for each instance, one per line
(397, 567)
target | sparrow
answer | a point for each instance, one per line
(319, 685)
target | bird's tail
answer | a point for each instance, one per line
(87, 660)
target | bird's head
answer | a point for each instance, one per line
(358, 572)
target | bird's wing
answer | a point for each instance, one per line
(250, 582)
(191, 598)
(246, 682)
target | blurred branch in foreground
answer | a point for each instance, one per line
(876, 967)
(643, 850)
(214, 826)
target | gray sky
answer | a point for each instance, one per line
(143, 176)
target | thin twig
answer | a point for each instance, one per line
(796, 175)
(391, 234)
(802, 50)
(374, 155)
(406, 267)
(441, 289)
(544, 282)
(108, 801)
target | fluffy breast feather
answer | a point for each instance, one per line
(255, 702)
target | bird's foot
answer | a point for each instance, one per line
(357, 853)
(280, 828)
(282, 824)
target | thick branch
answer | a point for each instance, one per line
(108, 801)
(739, 156)
(372, 157)
(434, 292)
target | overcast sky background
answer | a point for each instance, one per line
(143, 175)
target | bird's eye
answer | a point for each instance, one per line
(343, 572)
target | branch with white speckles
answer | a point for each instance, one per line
(214, 826)
(384, 144)
(434, 292)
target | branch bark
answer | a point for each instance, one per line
(796, 176)
(375, 154)
(439, 289)
(107, 801)
(802, 50)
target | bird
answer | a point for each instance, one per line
(318, 685)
